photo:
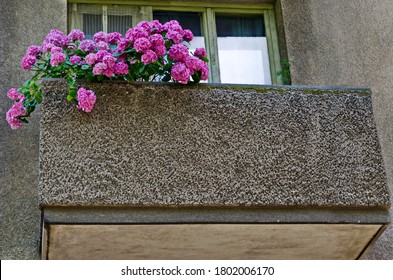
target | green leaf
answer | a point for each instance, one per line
(24, 120)
(70, 80)
(72, 93)
(26, 83)
(129, 77)
(130, 51)
(69, 97)
(90, 77)
(100, 78)
(141, 68)
(115, 55)
(85, 67)
(38, 97)
(204, 58)
(166, 78)
(196, 77)
(168, 66)
(30, 109)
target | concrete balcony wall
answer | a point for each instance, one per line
(266, 156)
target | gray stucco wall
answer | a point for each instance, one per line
(22, 23)
(211, 145)
(347, 43)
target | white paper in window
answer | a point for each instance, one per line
(244, 60)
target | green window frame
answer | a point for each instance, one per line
(143, 10)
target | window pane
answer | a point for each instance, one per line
(92, 23)
(240, 26)
(242, 46)
(188, 20)
(119, 23)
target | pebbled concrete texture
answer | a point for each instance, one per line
(22, 23)
(347, 43)
(151, 144)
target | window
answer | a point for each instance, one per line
(240, 40)
(242, 44)
(188, 20)
(94, 18)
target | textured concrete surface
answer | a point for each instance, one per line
(347, 43)
(22, 23)
(152, 144)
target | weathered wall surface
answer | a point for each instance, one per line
(210, 146)
(22, 23)
(347, 43)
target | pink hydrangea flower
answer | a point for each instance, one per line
(113, 38)
(187, 35)
(180, 73)
(156, 40)
(75, 59)
(204, 71)
(121, 68)
(87, 46)
(156, 26)
(160, 50)
(199, 52)
(194, 64)
(13, 115)
(178, 52)
(109, 72)
(101, 45)
(175, 36)
(173, 24)
(86, 99)
(13, 94)
(99, 68)
(99, 37)
(142, 44)
(33, 50)
(28, 61)
(149, 56)
(145, 25)
(57, 38)
(122, 45)
(46, 46)
(101, 54)
(91, 58)
(136, 33)
(139, 32)
(56, 49)
(56, 58)
(109, 60)
(76, 35)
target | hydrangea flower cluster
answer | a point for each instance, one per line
(150, 51)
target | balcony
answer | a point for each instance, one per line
(160, 171)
